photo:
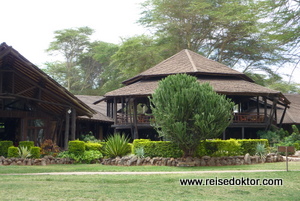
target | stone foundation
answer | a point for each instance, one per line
(190, 161)
(156, 161)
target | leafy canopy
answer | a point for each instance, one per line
(186, 112)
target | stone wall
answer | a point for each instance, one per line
(190, 161)
(156, 161)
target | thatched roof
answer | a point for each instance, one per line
(223, 79)
(28, 78)
(292, 115)
(189, 62)
(224, 86)
(99, 108)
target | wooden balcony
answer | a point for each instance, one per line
(249, 118)
(245, 118)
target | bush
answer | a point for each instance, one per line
(219, 148)
(49, 148)
(76, 147)
(117, 145)
(92, 146)
(4, 145)
(157, 148)
(13, 152)
(86, 157)
(27, 144)
(35, 152)
(249, 145)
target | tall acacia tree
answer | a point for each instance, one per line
(186, 112)
(71, 43)
(230, 32)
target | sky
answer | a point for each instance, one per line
(28, 25)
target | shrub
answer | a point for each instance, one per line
(219, 148)
(89, 138)
(27, 144)
(4, 145)
(35, 152)
(157, 148)
(93, 146)
(249, 145)
(49, 148)
(86, 157)
(261, 151)
(76, 147)
(13, 152)
(24, 152)
(117, 145)
(186, 112)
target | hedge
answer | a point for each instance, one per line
(216, 147)
(13, 152)
(76, 147)
(157, 148)
(35, 152)
(93, 146)
(27, 144)
(4, 145)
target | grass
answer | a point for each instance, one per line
(106, 168)
(144, 187)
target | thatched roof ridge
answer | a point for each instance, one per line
(189, 62)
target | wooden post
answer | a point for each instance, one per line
(282, 117)
(136, 134)
(67, 128)
(73, 124)
(115, 108)
(243, 132)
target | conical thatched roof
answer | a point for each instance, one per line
(223, 79)
(189, 62)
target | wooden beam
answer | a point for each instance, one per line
(73, 124)
(282, 117)
(67, 128)
(115, 108)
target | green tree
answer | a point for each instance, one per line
(230, 32)
(71, 43)
(136, 54)
(94, 67)
(186, 112)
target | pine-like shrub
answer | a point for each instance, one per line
(4, 145)
(13, 152)
(76, 147)
(35, 152)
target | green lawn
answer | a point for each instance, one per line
(144, 187)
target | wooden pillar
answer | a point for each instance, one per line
(265, 109)
(73, 124)
(282, 117)
(135, 134)
(257, 106)
(67, 128)
(243, 132)
(115, 108)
